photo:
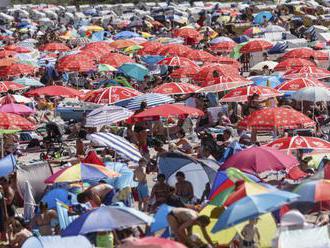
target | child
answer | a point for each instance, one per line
(250, 234)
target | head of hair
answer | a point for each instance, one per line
(203, 220)
(161, 176)
(180, 174)
(143, 105)
(83, 197)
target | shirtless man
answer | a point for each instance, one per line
(17, 233)
(141, 177)
(183, 188)
(9, 194)
(97, 195)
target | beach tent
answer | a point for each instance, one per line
(59, 194)
(198, 172)
(7, 165)
(57, 241)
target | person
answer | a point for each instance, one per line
(250, 234)
(18, 234)
(43, 220)
(183, 188)
(160, 191)
(254, 103)
(97, 195)
(140, 129)
(9, 194)
(183, 142)
(142, 189)
(173, 200)
(181, 221)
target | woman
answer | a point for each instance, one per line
(140, 130)
(43, 220)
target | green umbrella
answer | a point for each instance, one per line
(28, 82)
(123, 81)
(235, 54)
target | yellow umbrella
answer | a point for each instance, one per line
(132, 49)
(94, 28)
(146, 35)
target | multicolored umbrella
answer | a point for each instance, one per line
(176, 88)
(15, 122)
(292, 63)
(116, 59)
(314, 191)
(299, 142)
(14, 108)
(256, 46)
(276, 118)
(81, 172)
(299, 83)
(307, 72)
(54, 90)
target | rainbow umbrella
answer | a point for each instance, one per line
(314, 191)
(81, 172)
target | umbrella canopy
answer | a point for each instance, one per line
(166, 111)
(185, 72)
(80, 172)
(15, 122)
(270, 81)
(16, 70)
(174, 50)
(110, 95)
(253, 206)
(54, 47)
(7, 62)
(117, 143)
(18, 109)
(187, 33)
(292, 63)
(200, 55)
(276, 118)
(17, 49)
(262, 17)
(314, 191)
(134, 70)
(256, 46)
(125, 35)
(6, 53)
(5, 86)
(224, 83)
(256, 160)
(107, 115)
(242, 94)
(120, 44)
(98, 45)
(299, 83)
(14, 99)
(226, 46)
(57, 241)
(299, 142)
(261, 65)
(176, 88)
(252, 31)
(152, 100)
(76, 63)
(54, 90)
(154, 242)
(305, 53)
(312, 94)
(221, 39)
(105, 219)
(115, 59)
(207, 72)
(28, 82)
(307, 72)
(177, 61)
(150, 48)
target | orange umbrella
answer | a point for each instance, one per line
(7, 62)
(120, 44)
(6, 53)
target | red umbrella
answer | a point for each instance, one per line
(185, 72)
(150, 48)
(111, 95)
(8, 85)
(256, 46)
(53, 47)
(226, 46)
(19, 109)
(299, 83)
(176, 88)
(293, 63)
(116, 59)
(307, 72)
(242, 94)
(98, 45)
(186, 33)
(207, 72)
(6, 53)
(223, 83)
(256, 160)
(299, 142)
(173, 50)
(269, 119)
(200, 55)
(94, 54)
(177, 61)
(54, 90)
(16, 70)
(305, 53)
(150, 242)
(15, 122)
(166, 111)
(228, 61)
(76, 63)
(17, 49)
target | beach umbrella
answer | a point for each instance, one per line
(151, 242)
(176, 88)
(256, 46)
(256, 160)
(7, 62)
(250, 207)
(19, 109)
(150, 48)
(54, 47)
(17, 49)
(7, 53)
(177, 61)
(312, 94)
(134, 70)
(10, 121)
(5, 86)
(241, 39)
(166, 111)
(29, 202)
(97, 45)
(16, 69)
(224, 83)
(276, 118)
(152, 100)
(125, 35)
(252, 31)
(300, 83)
(116, 59)
(311, 72)
(299, 142)
(220, 39)
(313, 191)
(93, 28)
(107, 115)
(120, 44)
(117, 143)
(110, 95)
(57, 241)
(185, 72)
(305, 53)
(292, 63)
(105, 68)
(242, 94)
(274, 28)
(94, 54)
(262, 16)
(261, 65)
(76, 63)
(107, 218)
(200, 55)
(28, 82)
(14, 99)
(206, 72)
(269, 81)
(80, 172)
(173, 50)
(226, 46)
(188, 33)
(54, 90)
(132, 49)
(228, 61)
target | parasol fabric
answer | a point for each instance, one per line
(176, 88)
(307, 72)
(18, 109)
(299, 83)
(312, 94)
(152, 100)
(16, 69)
(256, 46)
(299, 142)
(115, 59)
(54, 47)
(10, 121)
(293, 63)
(54, 90)
(313, 191)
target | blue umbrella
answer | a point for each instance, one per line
(107, 218)
(279, 47)
(261, 16)
(125, 35)
(152, 59)
(251, 207)
(59, 194)
(266, 80)
(241, 39)
(126, 175)
(134, 70)
(152, 100)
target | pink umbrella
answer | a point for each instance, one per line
(151, 242)
(18, 109)
(257, 160)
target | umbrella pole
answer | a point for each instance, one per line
(2, 146)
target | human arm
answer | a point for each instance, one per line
(191, 191)
(206, 236)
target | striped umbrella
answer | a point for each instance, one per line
(314, 191)
(152, 99)
(117, 143)
(107, 115)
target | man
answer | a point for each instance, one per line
(183, 188)
(160, 191)
(181, 221)
(142, 189)
(97, 195)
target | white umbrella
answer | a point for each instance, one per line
(29, 202)
(312, 94)
(274, 28)
(259, 67)
(19, 99)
